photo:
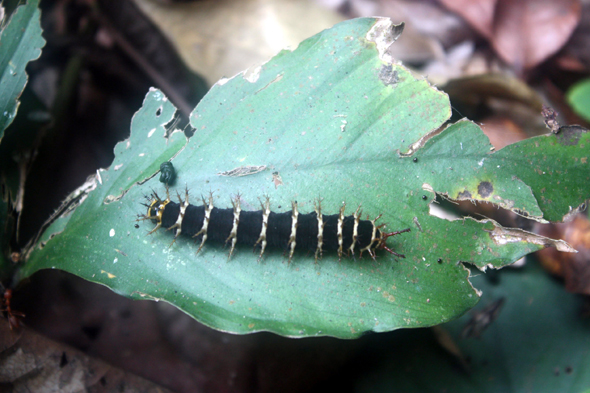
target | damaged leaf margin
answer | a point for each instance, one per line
(503, 236)
(56, 223)
(500, 235)
(526, 177)
(137, 159)
(384, 33)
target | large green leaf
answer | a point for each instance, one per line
(539, 342)
(331, 120)
(20, 42)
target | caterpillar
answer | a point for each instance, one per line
(264, 228)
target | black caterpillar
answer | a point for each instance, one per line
(313, 231)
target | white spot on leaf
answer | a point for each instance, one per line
(252, 74)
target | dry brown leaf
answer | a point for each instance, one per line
(477, 89)
(524, 32)
(502, 131)
(574, 268)
(479, 13)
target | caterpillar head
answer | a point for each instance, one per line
(155, 208)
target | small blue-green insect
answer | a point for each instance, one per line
(167, 173)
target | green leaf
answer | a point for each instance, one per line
(538, 343)
(554, 166)
(544, 178)
(332, 120)
(20, 42)
(578, 97)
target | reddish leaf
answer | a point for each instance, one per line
(478, 13)
(524, 33)
(574, 268)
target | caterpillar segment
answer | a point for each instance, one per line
(339, 230)
(233, 235)
(203, 231)
(355, 232)
(320, 218)
(262, 237)
(293, 237)
(178, 224)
